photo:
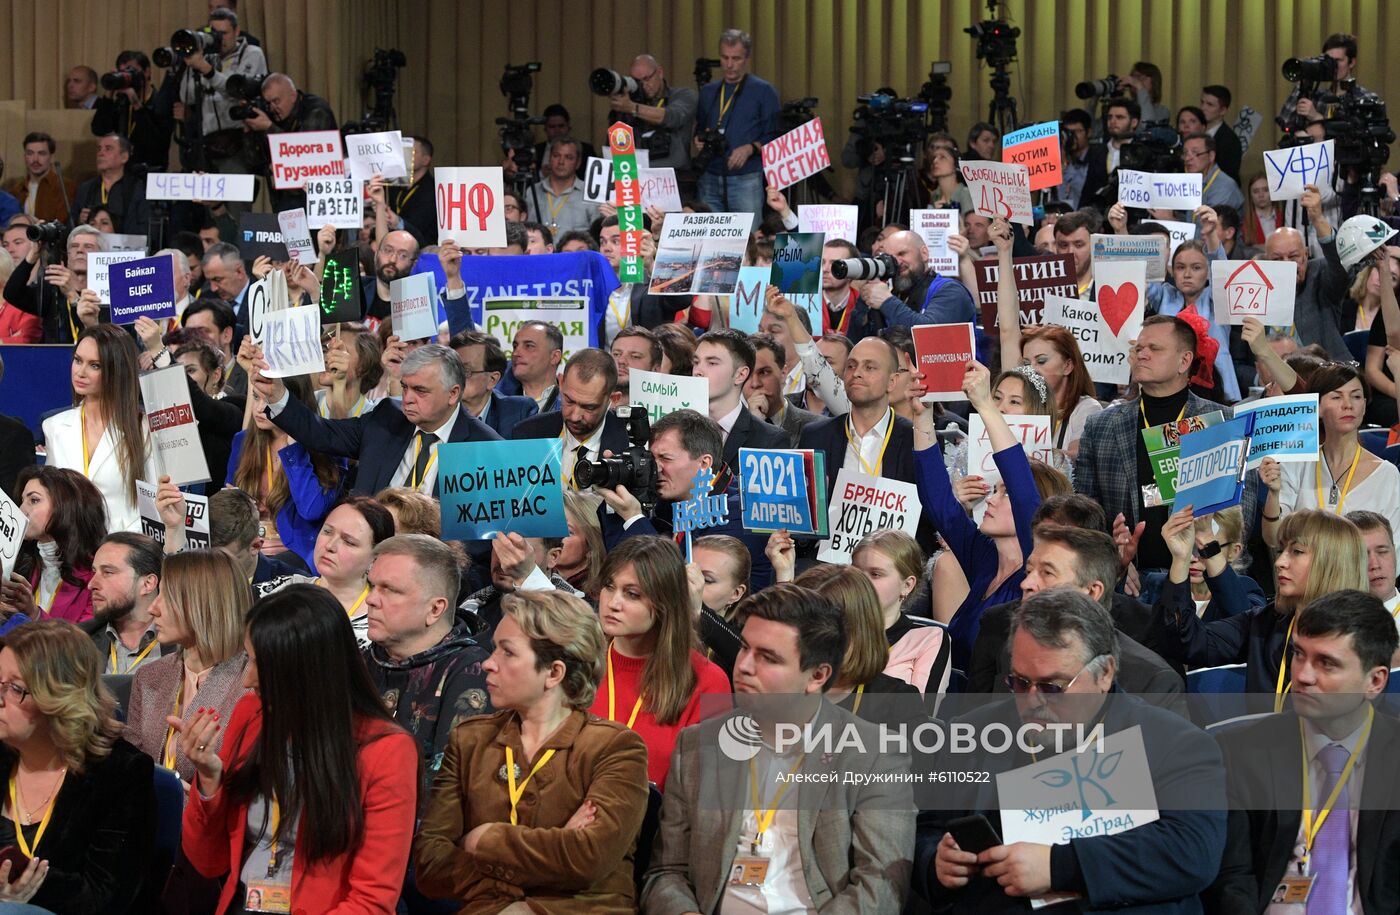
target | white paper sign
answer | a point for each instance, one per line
(119, 242)
(413, 307)
(200, 186)
(337, 202)
(1000, 189)
(1291, 170)
(196, 517)
(371, 154)
(166, 395)
(934, 227)
(1180, 231)
(1033, 432)
(296, 235)
(299, 156)
(265, 295)
(662, 394)
(12, 526)
(796, 155)
(837, 221)
(862, 504)
(660, 189)
(1264, 290)
(292, 342)
(469, 207)
(1148, 190)
(99, 267)
(1150, 249)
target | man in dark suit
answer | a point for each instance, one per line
(395, 444)
(1064, 661)
(725, 358)
(583, 419)
(1342, 646)
(1215, 104)
(483, 363)
(764, 392)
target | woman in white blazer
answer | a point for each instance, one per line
(105, 436)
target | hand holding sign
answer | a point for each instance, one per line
(469, 206)
(1291, 170)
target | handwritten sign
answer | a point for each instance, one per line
(834, 220)
(1000, 189)
(1212, 464)
(337, 202)
(492, 488)
(1037, 148)
(1285, 428)
(659, 187)
(1104, 343)
(371, 154)
(1036, 279)
(1291, 170)
(296, 235)
(944, 351)
(1158, 192)
(469, 207)
(746, 304)
(308, 154)
(292, 342)
(196, 517)
(100, 271)
(1151, 249)
(192, 186)
(503, 318)
(662, 394)
(166, 395)
(413, 307)
(796, 155)
(1264, 290)
(13, 524)
(142, 288)
(776, 489)
(1033, 432)
(860, 506)
(934, 227)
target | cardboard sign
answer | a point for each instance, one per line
(860, 506)
(999, 189)
(142, 288)
(1158, 192)
(796, 155)
(598, 180)
(662, 394)
(1104, 337)
(492, 488)
(413, 307)
(944, 351)
(1164, 447)
(1285, 429)
(308, 154)
(837, 221)
(569, 314)
(116, 241)
(1180, 232)
(296, 236)
(13, 524)
(1291, 170)
(200, 186)
(700, 253)
(1211, 467)
(934, 227)
(1152, 249)
(1033, 432)
(746, 304)
(1037, 148)
(469, 206)
(1264, 290)
(1037, 278)
(261, 236)
(292, 342)
(783, 489)
(342, 299)
(174, 432)
(337, 202)
(100, 268)
(797, 264)
(196, 517)
(371, 154)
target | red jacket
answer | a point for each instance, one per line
(368, 879)
(18, 326)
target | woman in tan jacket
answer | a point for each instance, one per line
(537, 807)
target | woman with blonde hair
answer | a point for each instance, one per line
(81, 805)
(543, 796)
(581, 556)
(1319, 553)
(1217, 589)
(202, 602)
(918, 652)
(414, 512)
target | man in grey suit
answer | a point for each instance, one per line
(816, 843)
(764, 391)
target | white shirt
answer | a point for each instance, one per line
(619, 312)
(867, 459)
(571, 445)
(1379, 492)
(784, 891)
(796, 380)
(822, 377)
(1392, 606)
(1115, 153)
(727, 421)
(400, 477)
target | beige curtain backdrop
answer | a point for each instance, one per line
(834, 50)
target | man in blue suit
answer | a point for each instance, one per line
(395, 444)
(483, 362)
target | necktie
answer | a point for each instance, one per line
(426, 440)
(1331, 850)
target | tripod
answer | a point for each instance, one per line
(1001, 113)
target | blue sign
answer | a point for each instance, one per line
(703, 509)
(490, 488)
(579, 273)
(1211, 466)
(143, 288)
(773, 491)
(1285, 428)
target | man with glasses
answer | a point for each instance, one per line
(483, 364)
(662, 115)
(1217, 188)
(1064, 662)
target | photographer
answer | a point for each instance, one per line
(62, 301)
(583, 419)
(1304, 102)
(662, 115)
(918, 295)
(208, 69)
(743, 110)
(285, 109)
(134, 108)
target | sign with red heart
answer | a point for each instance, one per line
(1117, 304)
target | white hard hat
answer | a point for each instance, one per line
(1359, 236)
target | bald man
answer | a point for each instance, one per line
(917, 295)
(662, 115)
(286, 109)
(1322, 284)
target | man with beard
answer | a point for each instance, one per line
(125, 582)
(393, 260)
(918, 296)
(1120, 122)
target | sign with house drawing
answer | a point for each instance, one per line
(1263, 290)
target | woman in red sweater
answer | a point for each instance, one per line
(309, 805)
(654, 676)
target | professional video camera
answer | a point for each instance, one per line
(705, 69)
(996, 38)
(517, 130)
(380, 79)
(128, 77)
(1107, 87)
(713, 146)
(1319, 69)
(899, 125)
(1156, 147)
(610, 82)
(53, 233)
(879, 267)
(795, 113)
(937, 93)
(635, 468)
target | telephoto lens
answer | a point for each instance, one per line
(879, 267)
(609, 82)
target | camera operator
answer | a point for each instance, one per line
(62, 300)
(206, 75)
(744, 111)
(134, 108)
(116, 188)
(286, 109)
(233, 5)
(918, 295)
(1303, 100)
(1144, 84)
(1085, 164)
(42, 192)
(662, 115)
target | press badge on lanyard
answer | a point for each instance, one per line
(274, 892)
(1296, 888)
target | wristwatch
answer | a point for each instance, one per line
(1211, 550)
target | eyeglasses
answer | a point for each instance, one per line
(8, 690)
(1020, 685)
(643, 79)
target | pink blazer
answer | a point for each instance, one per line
(72, 602)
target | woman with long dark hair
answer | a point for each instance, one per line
(66, 526)
(311, 800)
(105, 436)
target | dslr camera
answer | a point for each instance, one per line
(713, 146)
(1099, 88)
(53, 233)
(610, 82)
(879, 267)
(635, 468)
(128, 77)
(248, 91)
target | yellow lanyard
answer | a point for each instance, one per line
(417, 449)
(1142, 407)
(1279, 689)
(167, 753)
(43, 824)
(763, 816)
(612, 696)
(860, 694)
(517, 793)
(1311, 829)
(104, 193)
(1211, 181)
(267, 465)
(358, 601)
(1317, 468)
(72, 325)
(725, 103)
(135, 661)
(554, 209)
(274, 820)
(855, 446)
(626, 316)
(82, 428)
(325, 408)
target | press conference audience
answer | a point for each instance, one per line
(65, 518)
(125, 583)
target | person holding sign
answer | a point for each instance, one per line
(66, 524)
(1322, 283)
(566, 847)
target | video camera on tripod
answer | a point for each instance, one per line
(379, 82)
(996, 47)
(517, 130)
(1156, 147)
(937, 93)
